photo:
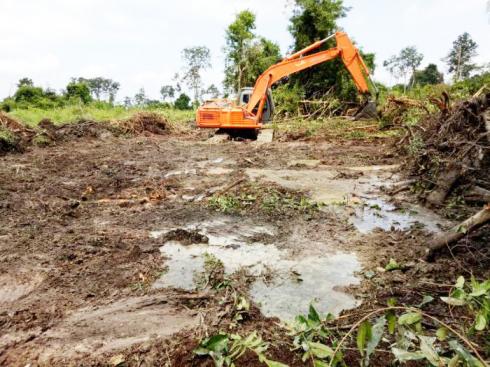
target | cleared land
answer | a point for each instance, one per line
(133, 247)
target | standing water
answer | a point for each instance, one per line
(292, 284)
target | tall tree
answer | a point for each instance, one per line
(460, 57)
(140, 98)
(78, 90)
(167, 91)
(429, 75)
(196, 60)
(211, 92)
(100, 87)
(25, 82)
(313, 20)
(405, 64)
(239, 35)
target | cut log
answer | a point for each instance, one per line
(444, 184)
(457, 232)
(477, 194)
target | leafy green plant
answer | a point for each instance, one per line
(213, 275)
(224, 203)
(475, 296)
(311, 335)
(225, 349)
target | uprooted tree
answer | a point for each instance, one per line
(449, 155)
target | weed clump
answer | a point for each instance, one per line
(254, 197)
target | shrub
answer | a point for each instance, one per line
(79, 91)
(182, 102)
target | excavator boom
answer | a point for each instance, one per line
(226, 114)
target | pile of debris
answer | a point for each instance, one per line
(14, 136)
(449, 152)
(144, 122)
(449, 156)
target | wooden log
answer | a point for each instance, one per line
(477, 194)
(457, 232)
(444, 184)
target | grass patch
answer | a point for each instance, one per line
(333, 128)
(32, 116)
(255, 197)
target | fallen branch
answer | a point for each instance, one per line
(477, 194)
(458, 232)
(444, 185)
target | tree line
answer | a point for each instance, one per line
(248, 54)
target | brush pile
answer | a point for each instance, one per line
(449, 151)
(13, 134)
(144, 122)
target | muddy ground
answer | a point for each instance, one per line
(101, 238)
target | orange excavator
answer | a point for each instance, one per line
(256, 107)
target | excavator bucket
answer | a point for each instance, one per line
(367, 111)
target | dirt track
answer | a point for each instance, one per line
(78, 262)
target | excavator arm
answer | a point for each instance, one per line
(225, 114)
(297, 62)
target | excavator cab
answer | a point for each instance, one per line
(268, 112)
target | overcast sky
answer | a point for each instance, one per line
(138, 43)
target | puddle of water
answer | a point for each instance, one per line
(325, 186)
(295, 282)
(185, 172)
(310, 280)
(377, 213)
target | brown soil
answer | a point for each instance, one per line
(77, 262)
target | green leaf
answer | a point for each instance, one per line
(270, 363)
(317, 363)
(391, 302)
(313, 315)
(441, 333)
(479, 289)
(464, 354)
(453, 301)
(392, 265)
(217, 343)
(364, 334)
(460, 282)
(454, 362)
(425, 300)
(391, 318)
(409, 318)
(320, 350)
(404, 355)
(480, 321)
(427, 348)
(376, 334)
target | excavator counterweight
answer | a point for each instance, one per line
(228, 114)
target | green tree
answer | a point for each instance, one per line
(405, 64)
(428, 76)
(182, 102)
(100, 87)
(460, 57)
(239, 35)
(28, 94)
(140, 98)
(196, 60)
(313, 20)
(247, 56)
(167, 91)
(212, 91)
(25, 82)
(78, 90)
